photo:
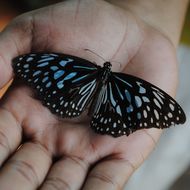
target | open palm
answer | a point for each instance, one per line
(56, 154)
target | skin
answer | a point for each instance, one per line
(40, 151)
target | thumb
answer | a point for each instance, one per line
(15, 39)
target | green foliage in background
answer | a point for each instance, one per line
(185, 39)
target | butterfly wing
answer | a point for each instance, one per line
(127, 103)
(65, 83)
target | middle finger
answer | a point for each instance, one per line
(68, 173)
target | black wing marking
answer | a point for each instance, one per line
(128, 103)
(65, 83)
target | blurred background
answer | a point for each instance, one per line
(168, 167)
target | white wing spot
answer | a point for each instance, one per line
(148, 108)
(172, 107)
(145, 114)
(156, 114)
(170, 115)
(114, 125)
(66, 104)
(105, 121)
(158, 97)
(157, 103)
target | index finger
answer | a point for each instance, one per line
(15, 39)
(10, 134)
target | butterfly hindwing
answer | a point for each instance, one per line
(65, 83)
(129, 103)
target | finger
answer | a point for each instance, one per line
(10, 134)
(14, 40)
(109, 175)
(67, 174)
(26, 169)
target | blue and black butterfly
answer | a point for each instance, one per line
(118, 103)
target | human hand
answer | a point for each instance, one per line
(69, 155)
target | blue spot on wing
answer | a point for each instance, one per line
(69, 76)
(58, 74)
(29, 59)
(36, 73)
(46, 59)
(46, 73)
(48, 84)
(123, 81)
(111, 96)
(142, 90)
(45, 79)
(138, 115)
(36, 80)
(54, 68)
(60, 84)
(138, 101)
(43, 64)
(128, 95)
(84, 67)
(63, 62)
(118, 110)
(119, 91)
(130, 109)
(26, 66)
(78, 79)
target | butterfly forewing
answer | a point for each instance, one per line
(65, 83)
(129, 103)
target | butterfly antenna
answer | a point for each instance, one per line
(120, 65)
(103, 58)
(95, 54)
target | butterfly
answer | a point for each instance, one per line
(118, 103)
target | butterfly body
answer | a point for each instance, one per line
(119, 104)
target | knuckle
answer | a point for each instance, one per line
(25, 170)
(105, 178)
(130, 165)
(57, 183)
(21, 24)
(154, 141)
(79, 162)
(4, 143)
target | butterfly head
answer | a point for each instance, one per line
(107, 66)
